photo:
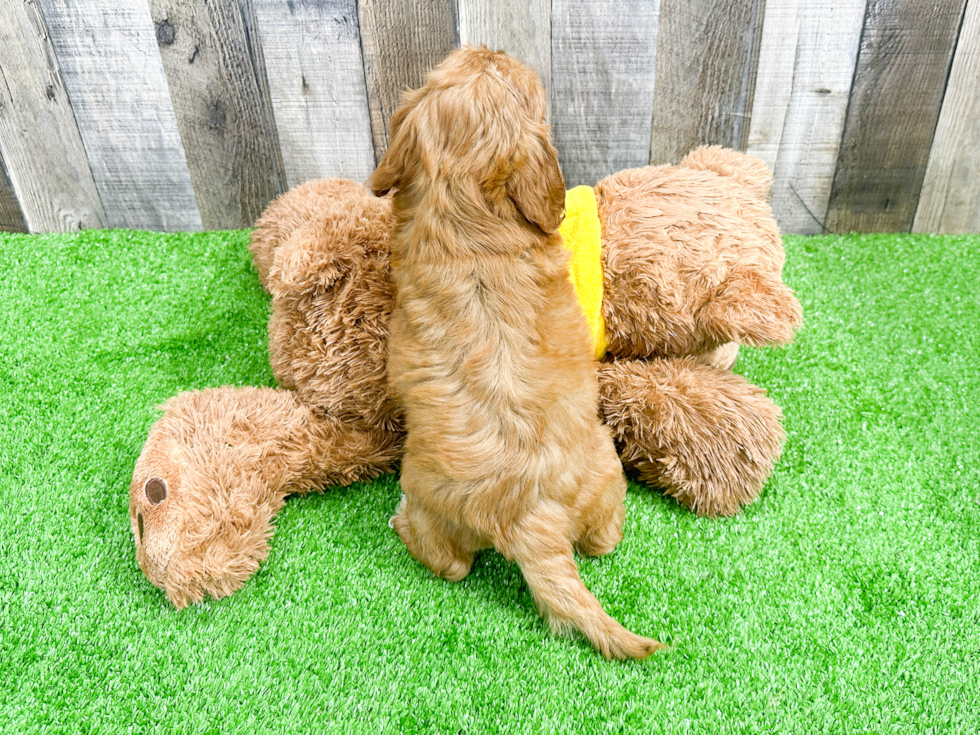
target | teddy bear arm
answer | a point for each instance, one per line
(314, 257)
(753, 308)
(321, 235)
(705, 436)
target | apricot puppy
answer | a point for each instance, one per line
(490, 356)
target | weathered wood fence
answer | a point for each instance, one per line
(190, 114)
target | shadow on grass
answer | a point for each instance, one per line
(352, 523)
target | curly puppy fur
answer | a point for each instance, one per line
(489, 354)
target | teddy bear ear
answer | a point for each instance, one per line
(751, 308)
(751, 172)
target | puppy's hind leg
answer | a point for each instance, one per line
(436, 542)
(603, 512)
(605, 530)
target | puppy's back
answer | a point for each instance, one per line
(490, 354)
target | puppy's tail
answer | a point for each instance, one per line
(546, 560)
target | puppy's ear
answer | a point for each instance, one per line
(401, 145)
(389, 173)
(536, 185)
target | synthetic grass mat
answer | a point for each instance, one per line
(847, 599)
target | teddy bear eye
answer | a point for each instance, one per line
(155, 490)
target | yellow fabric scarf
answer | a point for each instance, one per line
(582, 235)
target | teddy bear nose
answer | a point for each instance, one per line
(155, 490)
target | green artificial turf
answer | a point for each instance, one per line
(846, 600)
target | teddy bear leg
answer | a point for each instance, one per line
(214, 472)
(706, 436)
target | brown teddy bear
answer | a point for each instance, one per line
(691, 263)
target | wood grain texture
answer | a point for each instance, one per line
(313, 61)
(950, 201)
(602, 77)
(401, 41)
(39, 140)
(114, 77)
(902, 67)
(707, 57)
(11, 218)
(521, 28)
(256, 54)
(806, 64)
(223, 121)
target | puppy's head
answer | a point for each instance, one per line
(477, 127)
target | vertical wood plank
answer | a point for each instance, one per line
(223, 119)
(806, 65)
(313, 60)
(603, 80)
(39, 140)
(401, 40)
(902, 67)
(706, 67)
(114, 77)
(256, 55)
(775, 76)
(950, 200)
(11, 218)
(521, 28)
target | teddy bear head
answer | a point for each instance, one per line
(201, 517)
